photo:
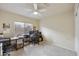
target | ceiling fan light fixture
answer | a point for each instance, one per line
(35, 13)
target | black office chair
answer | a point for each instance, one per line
(34, 38)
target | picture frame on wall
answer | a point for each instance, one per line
(6, 25)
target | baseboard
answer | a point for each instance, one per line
(65, 47)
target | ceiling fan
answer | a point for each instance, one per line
(35, 9)
(38, 10)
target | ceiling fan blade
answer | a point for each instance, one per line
(42, 10)
(35, 6)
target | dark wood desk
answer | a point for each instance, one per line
(3, 39)
(9, 40)
(16, 40)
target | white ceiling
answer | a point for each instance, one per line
(44, 9)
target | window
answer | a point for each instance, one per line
(22, 28)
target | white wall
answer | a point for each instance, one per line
(10, 18)
(77, 35)
(59, 29)
(77, 29)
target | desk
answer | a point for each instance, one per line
(16, 40)
(2, 41)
